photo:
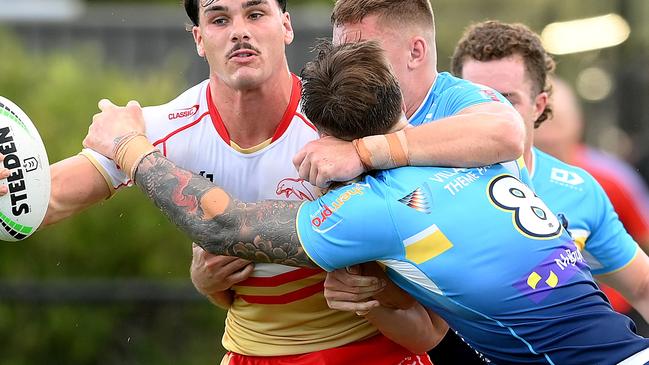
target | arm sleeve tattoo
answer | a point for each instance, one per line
(261, 232)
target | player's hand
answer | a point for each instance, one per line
(213, 273)
(391, 296)
(4, 173)
(347, 290)
(112, 124)
(326, 160)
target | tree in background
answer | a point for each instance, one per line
(124, 239)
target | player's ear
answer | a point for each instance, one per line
(198, 39)
(540, 103)
(418, 51)
(288, 28)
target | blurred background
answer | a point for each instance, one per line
(111, 286)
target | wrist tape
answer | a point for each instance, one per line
(384, 151)
(130, 151)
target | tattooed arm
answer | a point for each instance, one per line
(260, 232)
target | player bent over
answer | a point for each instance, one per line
(488, 257)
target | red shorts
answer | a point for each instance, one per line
(377, 350)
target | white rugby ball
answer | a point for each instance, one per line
(23, 208)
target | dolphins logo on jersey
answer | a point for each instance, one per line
(295, 189)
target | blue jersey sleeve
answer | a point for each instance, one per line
(450, 95)
(609, 243)
(347, 226)
(466, 94)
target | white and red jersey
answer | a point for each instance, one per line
(279, 310)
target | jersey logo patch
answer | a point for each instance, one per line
(555, 270)
(417, 200)
(566, 177)
(426, 245)
(490, 94)
(183, 113)
(297, 189)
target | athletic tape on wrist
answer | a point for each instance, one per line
(118, 148)
(383, 151)
(130, 153)
(363, 153)
(398, 148)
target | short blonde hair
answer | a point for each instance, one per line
(395, 13)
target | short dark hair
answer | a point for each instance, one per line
(192, 7)
(494, 40)
(349, 91)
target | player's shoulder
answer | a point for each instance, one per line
(449, 86)
(446, 82)
(550, 170)
(185, 108)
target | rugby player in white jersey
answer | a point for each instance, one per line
(241, 128)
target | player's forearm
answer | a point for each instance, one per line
(632, 282)
(260, 232)
(76, 185)
(466, 140)
(411, 328)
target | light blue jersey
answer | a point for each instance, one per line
(450, 95)
(592, 221)
(480, 249)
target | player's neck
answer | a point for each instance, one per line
(251, 116)
(415, 96)
(527, 153)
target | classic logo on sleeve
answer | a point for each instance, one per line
(183, 113)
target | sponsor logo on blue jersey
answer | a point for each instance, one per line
(555, 270)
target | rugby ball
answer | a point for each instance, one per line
(23, 208)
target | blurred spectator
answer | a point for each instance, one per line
(561, 136)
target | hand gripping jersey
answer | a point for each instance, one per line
(481, 250)
(593, 223)
(450, 95)
(279, 310)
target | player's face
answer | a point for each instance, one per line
(509, 77)
(394, 44)
(243, 40)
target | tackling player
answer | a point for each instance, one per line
(517, 66)
(519, 291)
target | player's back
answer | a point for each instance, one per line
(496, 263)
(480, 249)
